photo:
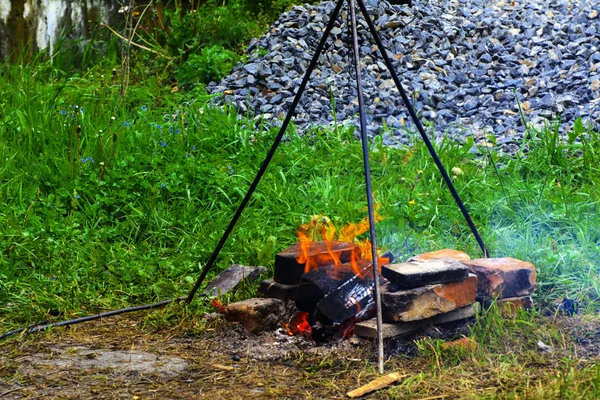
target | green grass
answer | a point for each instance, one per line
(137, 223)
(112, 201)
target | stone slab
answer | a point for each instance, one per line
(419, 273)
(503, 277)
(368, 329)
(508, 307)
(277, 290)
(445, 253)
(426, 301)
(231, 278)
(257, 315)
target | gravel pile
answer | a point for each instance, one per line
(467, 65)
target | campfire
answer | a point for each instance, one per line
(322, 287)
(330, 272)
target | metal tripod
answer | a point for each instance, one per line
(365, 147)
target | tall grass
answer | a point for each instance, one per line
(111, 203)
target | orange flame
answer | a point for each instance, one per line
(320, 228)
(299, 324)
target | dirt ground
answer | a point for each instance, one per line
(117, 358)
(124, 358)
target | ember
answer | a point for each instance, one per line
(299, 324)
(218, 306)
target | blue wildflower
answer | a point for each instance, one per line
(170, 130)
(162, 185)
(163, 144)
(76, 196)
(81, 110)
(126, 124)
(159, 126)
(144, 108)
(63, 112)
(194, 148)
(231, 170)
(176, 130)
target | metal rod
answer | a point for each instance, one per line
(265, 164)
(270, 154)
(39, 328)
(365, 150)
(420, 128)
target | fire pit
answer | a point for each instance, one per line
(326, 290)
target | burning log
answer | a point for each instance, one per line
(336, 292)
(270, 288)
(445, 253)
(299, 324)
(300, 258)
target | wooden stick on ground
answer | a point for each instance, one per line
(376, 384)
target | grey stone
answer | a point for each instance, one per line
(251, 68)
(231, 278)
(477, 48)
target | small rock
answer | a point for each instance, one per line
(257, 315)
(544, 348)
(392, 24)
(471, 104)
(568, 306)
(251, 68)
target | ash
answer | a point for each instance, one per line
(276, 345)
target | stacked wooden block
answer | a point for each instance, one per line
(423, 291)
(443, 286)
(507, 281)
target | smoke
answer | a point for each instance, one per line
(562, 246)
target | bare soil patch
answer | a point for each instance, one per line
(120, 358)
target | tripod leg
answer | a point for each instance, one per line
(419, 126)
(365, 148)
(265, 164)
